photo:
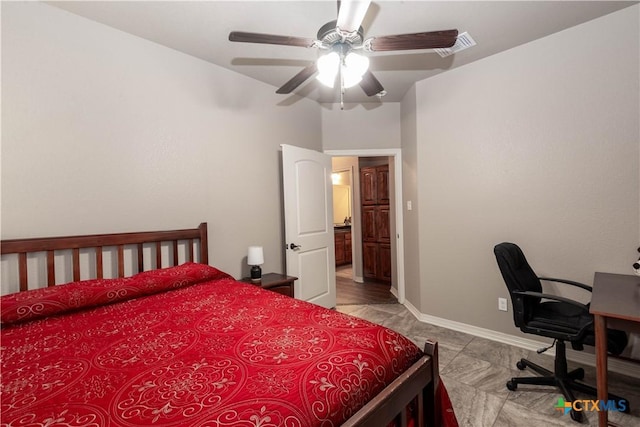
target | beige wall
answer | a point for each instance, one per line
(362, 126)
(103, 131)
(538, 145)
(106, 132)
(410, 194)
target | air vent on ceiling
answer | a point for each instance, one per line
(463, 42)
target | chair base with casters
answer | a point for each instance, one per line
(566, 381)
(551, 316)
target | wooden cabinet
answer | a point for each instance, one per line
(342, 238)
(376, 225)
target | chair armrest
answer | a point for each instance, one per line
(532, 294)
(568, 282)
(523, 323)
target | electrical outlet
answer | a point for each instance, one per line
(502, 304)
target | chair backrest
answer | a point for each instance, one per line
(518, 276)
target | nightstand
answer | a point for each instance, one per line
(275, 282)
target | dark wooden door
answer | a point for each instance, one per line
(370, 260)
(376, 225)
(369, 226)
(384, 262)
(382, 185)
(383, 225)
(368, 186)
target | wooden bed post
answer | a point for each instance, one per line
(434, 417)
(204, 244)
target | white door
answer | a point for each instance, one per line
(308, 215)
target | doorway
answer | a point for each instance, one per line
(350, 277)
(349, 292)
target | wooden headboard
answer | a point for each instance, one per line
(98, 243)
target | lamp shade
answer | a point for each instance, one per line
(328, 66)
(354, 68)
(255, 255)
(356, 64)
(329, 63)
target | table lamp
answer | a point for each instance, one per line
(255, 259)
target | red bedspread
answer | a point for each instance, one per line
(187, 346)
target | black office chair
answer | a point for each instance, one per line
(554, 317)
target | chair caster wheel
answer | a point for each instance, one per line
(512, 386)
(521, 365)
(576, 416)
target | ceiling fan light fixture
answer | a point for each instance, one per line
(326, 79)
(350, 79)
(328, 66)
(354, 68)
(343, 35)
(356, 64)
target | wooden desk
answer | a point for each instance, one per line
(615, 303)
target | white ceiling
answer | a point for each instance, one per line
(201, 29)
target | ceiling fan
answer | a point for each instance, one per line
(343, 39)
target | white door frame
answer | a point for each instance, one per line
(396, 153)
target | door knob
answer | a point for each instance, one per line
(294, 247)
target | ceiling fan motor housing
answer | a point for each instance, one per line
(328, 34)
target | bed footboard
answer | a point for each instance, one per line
(418, 383)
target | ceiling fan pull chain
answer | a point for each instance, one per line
(341, 89)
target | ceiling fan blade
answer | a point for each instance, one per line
(350, 14)
(241, 36)
(427, 40)
(370, 85)
(298, 79)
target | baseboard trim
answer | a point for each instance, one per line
(394, 292)
(615, 365)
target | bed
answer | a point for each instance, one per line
(146, 332)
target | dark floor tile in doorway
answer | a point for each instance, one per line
(369, 292)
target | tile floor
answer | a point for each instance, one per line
(475, 371)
